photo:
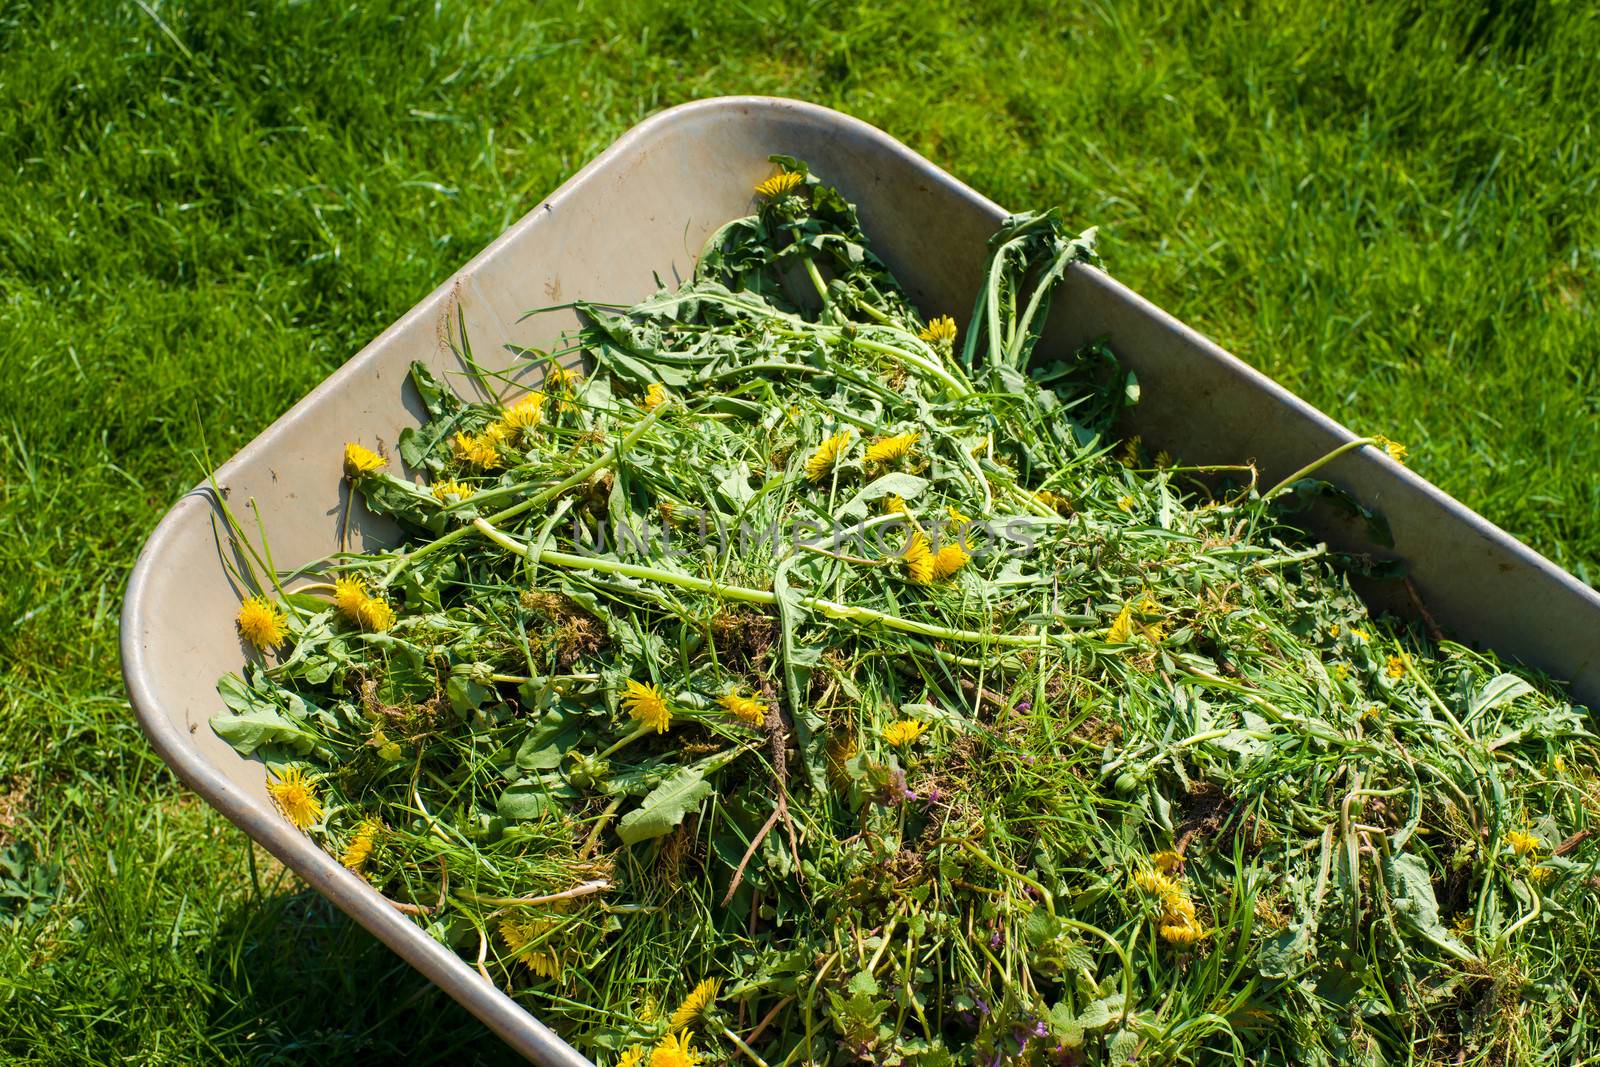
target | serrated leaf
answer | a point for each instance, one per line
(863, 982)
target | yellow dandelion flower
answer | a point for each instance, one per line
(1333, 631)
(957, 516)
(646, 704)
(1130, 451)
(1341, 671)
(1178, 908)
(632, 1058)
(894, 504)
(649, 1011)
(1359, 635)
(655, 396)
(1396, 667)
(1559, 762)
(1125, 503)
(562, 378)
(361, 844)
(1541, 875)
(1052, 500)
(525, 415)
(1177, 922)
(376, 615)
(481, 450)
(1127, 624)
(1182, 932)
(443, 491)
(918, 558)
(1157, 882)
(1121, 631)
(372, 613)
(889, 449)
(1462, 924)
(780, 185)
(904, 732)
(1167, 860)
(296, 797)
(544, 962)
(949, 559)
(827, 455)
(840, 750)
(261, 623)
(1163, 459)
(1371, 713)
(516, 933)
(676, 1050)
(521, 936)
(1522, 842)
(745, 709)
(359, 460)
(939, 330)
(1396, 451)
(348, 596)
(694, 1005)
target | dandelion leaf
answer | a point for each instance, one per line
(1415, 903)
(256, 720)
(1501, 689)
(897, 483)
(665, 807)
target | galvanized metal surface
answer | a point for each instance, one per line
(642, 209)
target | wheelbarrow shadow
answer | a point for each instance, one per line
(298, 982)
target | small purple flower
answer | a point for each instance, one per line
(1024, 705)
(994, 940)
(983, 1006)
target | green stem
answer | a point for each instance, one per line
(1314, 465)
(624, 742)
(1505, 935)
(816, 280)
(979, 854)
(543, 679)
(605, 459)
(831, 609)
(742, 1047)
(955, 385)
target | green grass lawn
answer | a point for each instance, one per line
(206, 208)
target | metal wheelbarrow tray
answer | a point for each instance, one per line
(640, 211)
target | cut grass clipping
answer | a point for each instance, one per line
(812, 683)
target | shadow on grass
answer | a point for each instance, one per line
(298, 982)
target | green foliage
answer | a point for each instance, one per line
(1391, 209)
(1136, 776)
